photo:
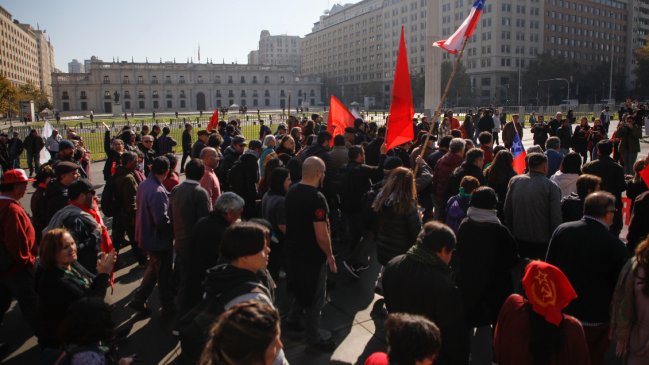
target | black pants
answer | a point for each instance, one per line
(190, 290)
(159, 270)
(186, 154)
(353, 223)
(19, 286)
(125, 225)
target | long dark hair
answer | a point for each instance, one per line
(277, 181)
(545, 338)
(501, 168)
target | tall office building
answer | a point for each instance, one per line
(637, 36)
(75, 67)
(354, 48)
(277, 50)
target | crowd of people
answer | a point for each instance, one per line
(471, 253)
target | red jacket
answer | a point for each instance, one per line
(443, 171)
(17, 236)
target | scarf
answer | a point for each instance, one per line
(106, 242)
(623, 308)
(483, 215)
(548, 290)
(419, 254)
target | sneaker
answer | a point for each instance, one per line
(140, 308)
(327, 345)
(350, 269)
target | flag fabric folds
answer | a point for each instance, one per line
(339, 118)
(519, 154)
(400, 128)
(214, 121)
(454, 43)
(645, 175)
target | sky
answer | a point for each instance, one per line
(224, 29)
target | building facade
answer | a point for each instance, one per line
(354, 49)
(75, 67)
(170, 87)
(277, 50)
(19, 53)
(638, 34)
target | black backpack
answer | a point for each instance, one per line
(108, 199)
(194, 326)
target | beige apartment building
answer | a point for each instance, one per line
(26, 54)
(170, 87)
(354, 48)
(278, 50)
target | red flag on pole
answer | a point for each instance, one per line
(214, 121)
(519, 154)
(400, 128)
(339, 118)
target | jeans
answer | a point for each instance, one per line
(33, 160)
(629, 159)
(312, 313)
(158, 270)
(19, 285)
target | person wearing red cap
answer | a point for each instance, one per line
(18, 248)
(533, 329)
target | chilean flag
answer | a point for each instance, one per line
(454, 43)
(519, 154)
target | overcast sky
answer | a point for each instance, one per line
(225, 30)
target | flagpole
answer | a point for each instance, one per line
(441, 102)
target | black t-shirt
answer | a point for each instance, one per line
(304, 205)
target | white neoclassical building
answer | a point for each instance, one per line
(182, 87)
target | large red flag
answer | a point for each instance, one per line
(339, 118)
(214, 121)
(400, 128)
(645, 175)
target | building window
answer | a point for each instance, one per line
(254, 79)
(254, 94)
(267, 93)
(83, 95)
(140, 79)
(106, 80)
(127, 105)
(155, 104)
(282, 93)
(182, 94)
(141, 104)
(168, 95)
(140, 94)
(312, 93)
(106, 94)
(84, 105)
(243, 93)
(127, 95)
(230, 79)
(230, 102)
(267, 102)
(243, 79)
(154, 79)
(243, 102)
(230, 94)
(266, 80)
(282, 80)
(169, 104)
(218, 93)
(255, 102)
(312, 101)
(66, 96)
(218, 103)
(66, 106)
(217, 79)
(167, 79)
(182, 79)
(182, 104)
(154, 94)
(125, 80)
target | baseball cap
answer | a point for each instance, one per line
(239, 140)
(79, 187)
(14, 176)
(65, 144)
(254, 144)
(64, 167)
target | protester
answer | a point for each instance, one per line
(149, 153)
(230, 155)
(201, 143)
(568, 173)
(33, 144)
(273, 210)
(540, 131)
(18, 246)
(411, 339)
(596, 134)
(638, 228)
(553, 152)
(43, 178)
(533, 329)
(572, 206)
(591, 258)
(173, 179)
(286, 146)
(243, 179)
(114, 149)
(373, 148)
(187, 145)
(442, 175)
(580, 138)
(498, 175)
(247, 333)
(630, 134)
(209, 181)
(268, 152)
(486, 145)
(629, 308)
(564, 133)
(636, 185)
(166, 143)
(308, 242)
(61, 281)
(419, 282)
(459, 204)
(154, 233)
(612, 175)
(266, 178)
(533, 207)
(510, 129)
(188, 202)
(472, 166)
(56, 193)
(52, 143)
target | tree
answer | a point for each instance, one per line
(642, 71)
(460, 92)
(8, 97)
(30, 91)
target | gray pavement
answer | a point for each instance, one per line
(353, 314)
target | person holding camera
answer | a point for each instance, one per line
(629, 134)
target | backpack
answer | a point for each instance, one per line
(456, 212)
(236, 176)
(108, 199)
(194, 326)
(52, 356)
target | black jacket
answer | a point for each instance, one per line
(230, 156)
(485, 124)
(396, 233)
(413, 287)
(373, 151)
(466, 169)
(206, 250)
(484, 256)
(187, 141)
(572, 208)
(540, 132)
(197, 148)
(33, 144)
(248, 191)
(638, 229)
(356, 180)
(111, 157)
(149, 156)
(54, 199)
(591, 258)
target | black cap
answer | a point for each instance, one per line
(79, 187)
(392, 163)
(254, 144)
(203, 132)
(64, 167)
(65, 144)
(239, 140)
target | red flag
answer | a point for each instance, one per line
(645, 175)
(339, 118)
(214, 121)
(401, 110)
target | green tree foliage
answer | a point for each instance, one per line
(8, 97)
(32, 92)
(642, 71)
(460, 92)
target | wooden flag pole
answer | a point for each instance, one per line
(441, 102)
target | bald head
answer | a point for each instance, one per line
(210, 157)
(312, 168)
(208, 152)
